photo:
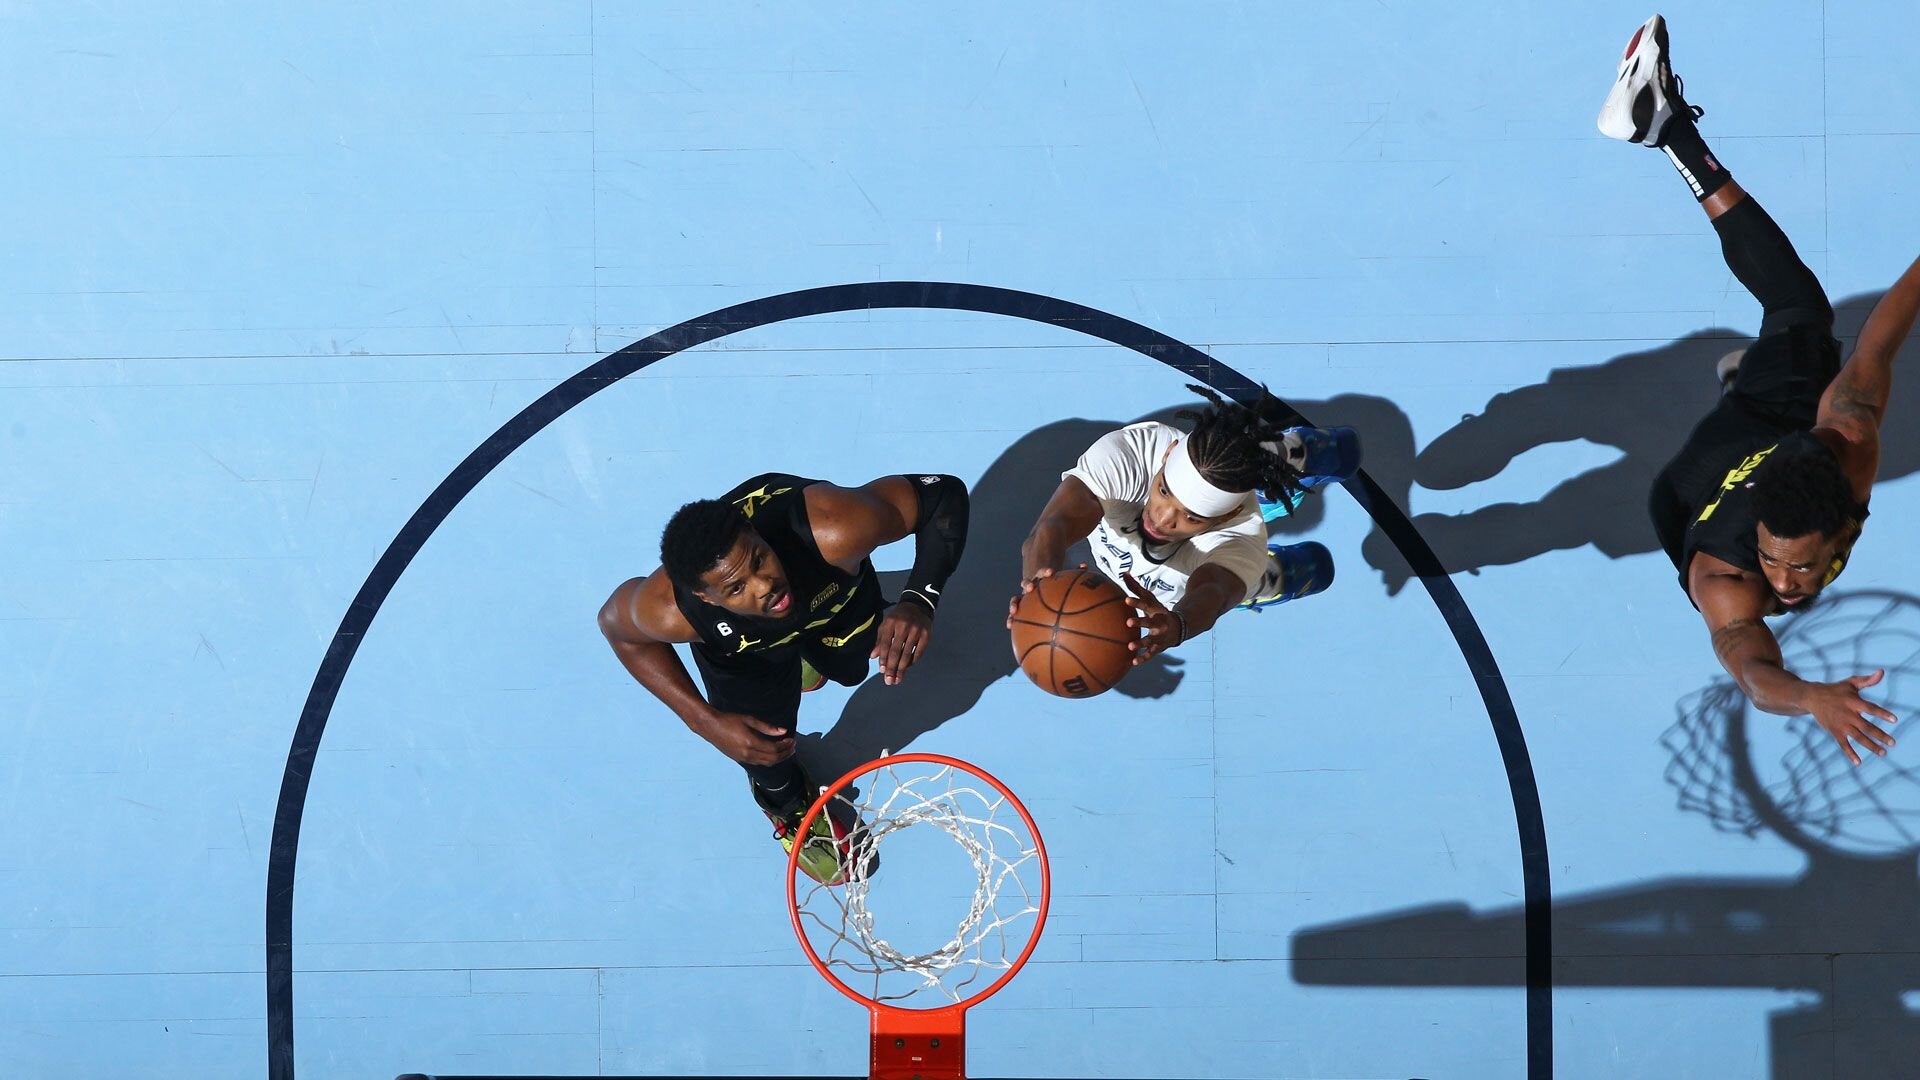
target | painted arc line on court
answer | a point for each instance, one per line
(784, 307)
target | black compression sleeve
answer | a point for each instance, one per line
(1762, 257)
(939, 536)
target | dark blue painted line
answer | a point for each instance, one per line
(836, 298)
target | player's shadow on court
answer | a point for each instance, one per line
(1642, 404)
(970, 648)
(1842, 934)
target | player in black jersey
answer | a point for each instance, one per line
(773, 588)
(1763, 503)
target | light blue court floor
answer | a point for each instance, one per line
(271, 273)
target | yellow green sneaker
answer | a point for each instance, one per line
(827, 849)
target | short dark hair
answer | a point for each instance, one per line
(697, 536)
(1236, 447)
(1802, 493)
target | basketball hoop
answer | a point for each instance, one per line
(918, 996)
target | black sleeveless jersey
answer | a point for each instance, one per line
(776, 506)
(1725, 527)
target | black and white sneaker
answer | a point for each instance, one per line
(1646, 94)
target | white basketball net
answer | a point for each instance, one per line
(995, 841)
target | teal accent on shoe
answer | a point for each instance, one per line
(1278, 507)
(1296, 570)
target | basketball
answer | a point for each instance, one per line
(1070, 634)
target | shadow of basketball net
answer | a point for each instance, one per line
(1845, 932)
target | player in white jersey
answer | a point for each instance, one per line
(1179, 518)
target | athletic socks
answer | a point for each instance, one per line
(1689, 154)
(780, 786)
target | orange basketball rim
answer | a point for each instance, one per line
(918, 1000)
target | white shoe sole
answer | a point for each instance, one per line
(1637, 109)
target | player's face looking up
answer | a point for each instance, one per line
(1166, 521)
(748, 580)
(1794, 566)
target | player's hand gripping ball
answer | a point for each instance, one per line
(1070, 634)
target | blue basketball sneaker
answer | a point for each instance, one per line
(1293, 571)
(1321, 456)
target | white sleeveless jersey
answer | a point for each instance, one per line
(1118, 469)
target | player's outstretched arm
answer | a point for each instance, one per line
(1211, 592)
(642, 623)
(850, 523)
(1069, 515)
(1734, 613)
(1855, 403)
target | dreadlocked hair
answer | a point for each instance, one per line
(697, 536)
(1237, 447)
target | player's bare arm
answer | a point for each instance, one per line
(849, 524)
(642, 623)
(1735, 609)
(1854, 406)
(1212, 591)
(1069, 515)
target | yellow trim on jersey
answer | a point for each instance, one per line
(773, 645)
(746, 642)
(757, 498)
(1735, 476)
(835, 609)
(1843, 552)
(836, 642)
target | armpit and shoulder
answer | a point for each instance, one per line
(1724, 593)
(850, 523)
(643, 609)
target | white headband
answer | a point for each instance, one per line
(1193, 490)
